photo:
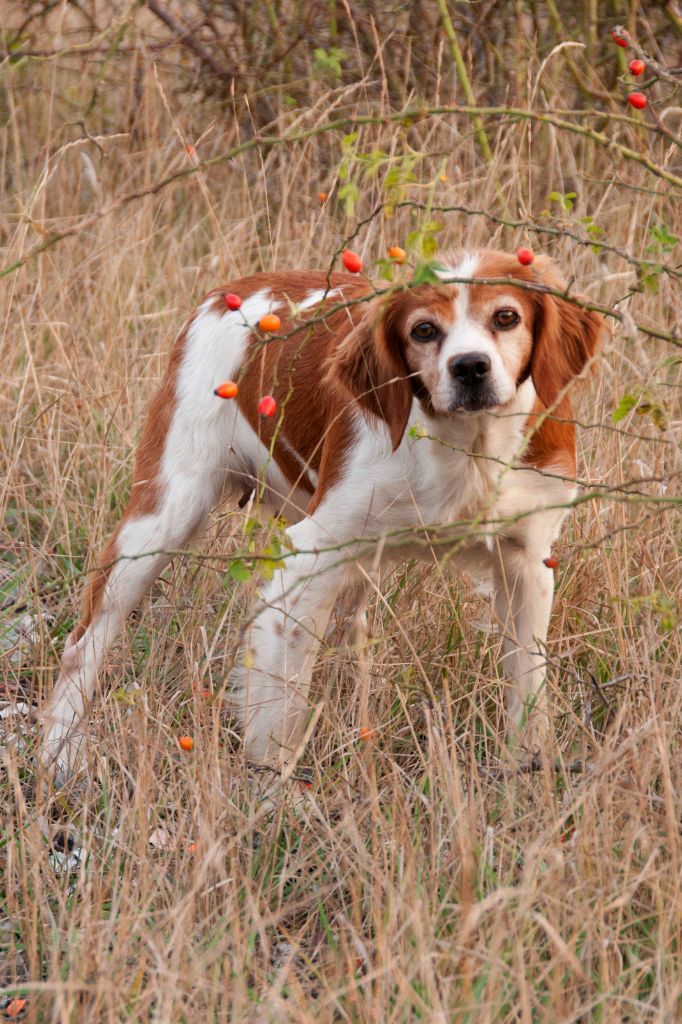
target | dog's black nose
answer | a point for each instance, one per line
(470, 369)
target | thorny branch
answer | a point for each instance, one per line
(545, 229)
(528, 286)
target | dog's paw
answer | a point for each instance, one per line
(273, 793)
(60, 752)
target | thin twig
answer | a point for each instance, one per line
(544, 229)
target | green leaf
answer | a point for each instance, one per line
(564, 198)
(429, 247)
(122, 696)
(649, 279)
(643, 405)
(328, 61)
(268, 566)
(392, 178)
(416, 431)
(625, 405)
(239, 571)
(425, 273)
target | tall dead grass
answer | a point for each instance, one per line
(426, 881)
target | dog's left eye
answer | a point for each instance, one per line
(424, 331)
(506, 318)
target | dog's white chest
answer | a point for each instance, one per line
(461, 469)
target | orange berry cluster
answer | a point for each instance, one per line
(267, 406)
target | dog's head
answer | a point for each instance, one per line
(466, 348)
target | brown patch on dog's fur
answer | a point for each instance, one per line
(552, 445)
(370, 364)
(289, 365)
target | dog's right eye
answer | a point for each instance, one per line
(505, 319)
(424, 331)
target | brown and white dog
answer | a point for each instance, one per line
(475, 367)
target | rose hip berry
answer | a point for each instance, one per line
(551, 562)
(637, 67)
(397, 254)
(525, 256)
(618, 40)
(15, 1008)
(185, 742)
(267, 406)
(351, 261)
(270, 322)
(637, 100)
(227, 390)
(232, 301)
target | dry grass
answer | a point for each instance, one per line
(427, 881)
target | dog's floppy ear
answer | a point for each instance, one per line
(565, 337)
(370, 366)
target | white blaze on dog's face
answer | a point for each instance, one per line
(470, 345)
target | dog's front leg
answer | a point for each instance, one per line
(271, 688)
(523, 603)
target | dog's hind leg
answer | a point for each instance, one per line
(138, 551)
(192, 446)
